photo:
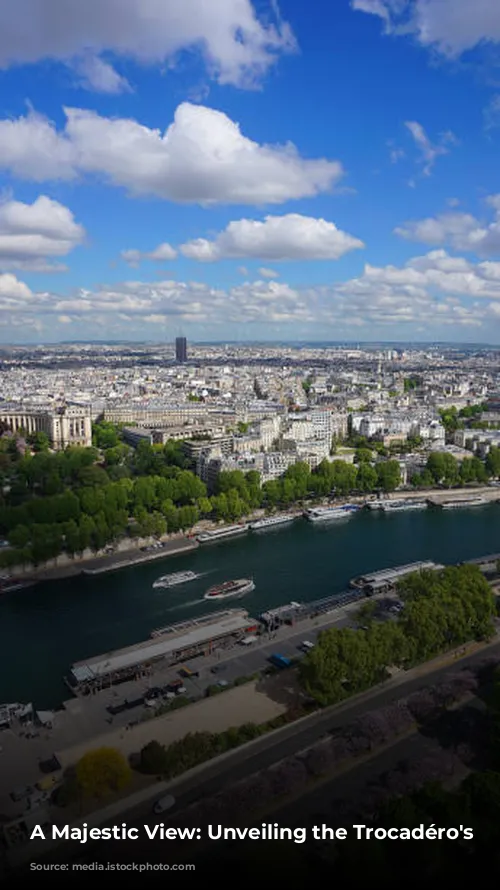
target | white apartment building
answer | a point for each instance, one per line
(432, 431)
(477, 440)
(340, 424)
(270, 466)
(299, 429)
(158, 416)
(372, 425)
(276, 463)
(269, 430)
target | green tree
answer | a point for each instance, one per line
(153, 760)
(388, 475)
(363, 455)
(39, 441)
(367, 477)
(493, 462)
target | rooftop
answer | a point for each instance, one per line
(160, 647)
(398, 572)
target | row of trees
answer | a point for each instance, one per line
(93, 515)
(198, 747)
(442, 609)
(406, 796)
(373, 730)
(454, 419)
(88, 497)
(444, 469)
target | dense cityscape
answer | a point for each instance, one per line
(152, 451)
(250, 440)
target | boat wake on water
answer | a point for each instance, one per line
(185, 605)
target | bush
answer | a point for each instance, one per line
(152, 759)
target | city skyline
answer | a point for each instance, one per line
(256, 175)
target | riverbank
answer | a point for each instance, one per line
(125, 555)
(129, 552)
(77, 618)
(110, 564)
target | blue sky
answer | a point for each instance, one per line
(237, 171)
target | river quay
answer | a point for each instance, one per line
(126, 560)
(61, 622)
(86, 720)
(129, 552)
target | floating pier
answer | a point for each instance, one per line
(379, 582)
(171, 644)
(297, 611)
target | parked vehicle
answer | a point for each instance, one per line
(164, 804)
(280, 661)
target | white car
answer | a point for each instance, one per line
(164, 804)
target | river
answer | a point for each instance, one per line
(45, 629)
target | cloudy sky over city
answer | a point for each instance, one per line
(237, 170)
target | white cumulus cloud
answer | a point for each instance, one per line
(164, 252)
(203, 157)
(435, 273)
(289, 237)
(100, 76)
(461, 231)
(449, 26)
(31, 234)
(237, 45)
(429, 294)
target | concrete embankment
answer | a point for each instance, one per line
(125, 555)
(136, 559)
(127, 552)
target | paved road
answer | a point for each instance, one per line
(262, 754)
(320, 806)
(293, 739)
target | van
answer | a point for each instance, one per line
(164, 804)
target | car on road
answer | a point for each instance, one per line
(164, 804)
(186, 672)
(218, 668)
(222, 684)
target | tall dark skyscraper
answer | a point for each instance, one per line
(181, 349)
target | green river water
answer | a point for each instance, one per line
(45, 629)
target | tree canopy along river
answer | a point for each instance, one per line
(45, 629)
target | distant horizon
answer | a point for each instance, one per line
(319, 344)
